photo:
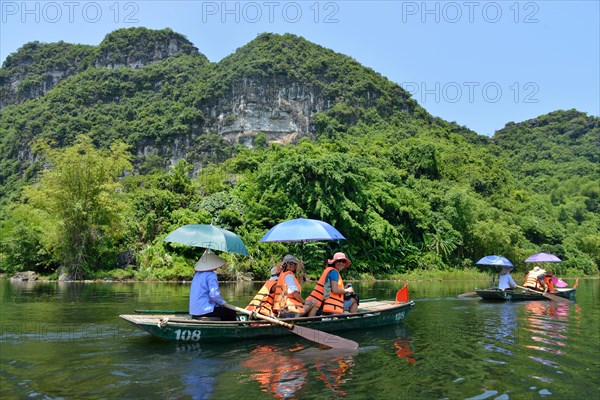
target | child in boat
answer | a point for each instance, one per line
(506, 281)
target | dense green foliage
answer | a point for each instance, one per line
(409, 191)
(37, 64)
(75, 210)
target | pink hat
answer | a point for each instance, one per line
(338, 257)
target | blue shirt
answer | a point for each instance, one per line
(333, 275)
(204, 293)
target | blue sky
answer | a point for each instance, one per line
(479, 63)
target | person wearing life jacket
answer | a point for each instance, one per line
(288, 299)
(548, 281)
(328, 294)
(535, 279)
(264, 300)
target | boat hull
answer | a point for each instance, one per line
(508, 295)
(184, 329)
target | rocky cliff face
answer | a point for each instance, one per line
(19, 89)
(185, 107)
(37, 67)
(282, 111)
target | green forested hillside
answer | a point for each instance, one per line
(36, 66)
(409, 191)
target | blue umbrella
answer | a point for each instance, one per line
(302, 230)
(495, 260)
(208, 237)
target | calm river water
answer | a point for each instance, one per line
(65, 340)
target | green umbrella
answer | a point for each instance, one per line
(209, 237)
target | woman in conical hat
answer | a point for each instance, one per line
(205, 296)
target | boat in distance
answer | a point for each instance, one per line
(518, 295)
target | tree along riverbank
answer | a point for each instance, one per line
(471, 274)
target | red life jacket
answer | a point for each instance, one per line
(283, 301)
(334, 304)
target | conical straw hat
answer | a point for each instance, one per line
(209, 261)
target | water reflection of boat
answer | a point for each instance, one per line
(284, 372)
(332, 372)
(277, 372)
(403, 350)
(548, 325)
(518, 295)
(371, 314)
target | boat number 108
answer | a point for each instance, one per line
(187, 335)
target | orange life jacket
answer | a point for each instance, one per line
(334, 304)
(318, 293)
(282, 300)
(264, 299)
(532, 282)
(548, 281)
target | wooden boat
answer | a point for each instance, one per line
(518, 295)
(182, 328)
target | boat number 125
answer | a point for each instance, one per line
(187, 335)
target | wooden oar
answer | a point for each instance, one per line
(545, 294)
(468, 294)
(313, 335)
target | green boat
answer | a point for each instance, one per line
(518, 295)
(182, 328)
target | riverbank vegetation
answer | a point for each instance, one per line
(409, 191)
(423, 206)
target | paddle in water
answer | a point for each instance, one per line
(313, 335)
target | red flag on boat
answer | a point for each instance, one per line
(402, 295)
